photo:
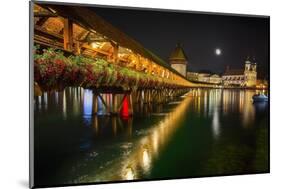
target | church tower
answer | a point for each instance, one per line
(247, 64)
(254, 65)
(250, 73)
(178, 60)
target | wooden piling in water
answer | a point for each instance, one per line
(131, 109)
(114, 109)
(95, 103)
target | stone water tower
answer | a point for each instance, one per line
(178, 60)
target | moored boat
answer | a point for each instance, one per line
(260, 98)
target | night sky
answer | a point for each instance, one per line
(200, 35)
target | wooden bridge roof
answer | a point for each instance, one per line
(88, 19)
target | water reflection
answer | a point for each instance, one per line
(149, 146)
(211, 103)
(129, 174)
(218, 102)
(126, 148)
(87, 104)
(216, 124)
(64, 105)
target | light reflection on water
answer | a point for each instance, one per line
(225, 102)
(131, 150)
(139, 162)
(88, 102)
(64, 106)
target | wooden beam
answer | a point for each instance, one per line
(43, 32)
(115, 52)
(83, 35)
(114, 104)
(41, 21)
(44, 14)
(86, 46)
(47, 42)
(121, 103)
(95, 103)
(68, 34)
(104, 103)
(131, 109)
(77, 47)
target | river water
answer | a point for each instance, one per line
(205, 133)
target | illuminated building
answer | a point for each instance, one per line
(215, 79)
(246, 77)
(192, 76)
(204, 77)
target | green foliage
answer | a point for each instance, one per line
(52, 69)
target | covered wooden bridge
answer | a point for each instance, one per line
(83, 36)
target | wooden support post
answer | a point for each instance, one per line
(104, 103)
(159, 97)
(115, 52)
(68, 35)
(95, 124)
(138, 63)
(121, 103)
(77, 48)
(95, 103)
(144, 96)
(164, 94)
(114, 104)
(153, 95)
(137, 96)
(131, 108)
(149, 96)
(156, 97)
(140, 96)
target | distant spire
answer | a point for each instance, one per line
(254, 60)
(248, 60)
(179, 44)
(227, 68)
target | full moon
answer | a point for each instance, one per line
(218, 52)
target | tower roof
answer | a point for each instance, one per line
(254, 61)
(248, 60)
(178, 53)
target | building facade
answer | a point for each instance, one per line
(204, 77)
(215, 79)
(192, 76)
(178, 60)
(246, 77)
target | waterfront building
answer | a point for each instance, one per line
(262, 84)
(204, 77)
(246, 77)
(215, 79)
(178, 60)
(192, 76)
